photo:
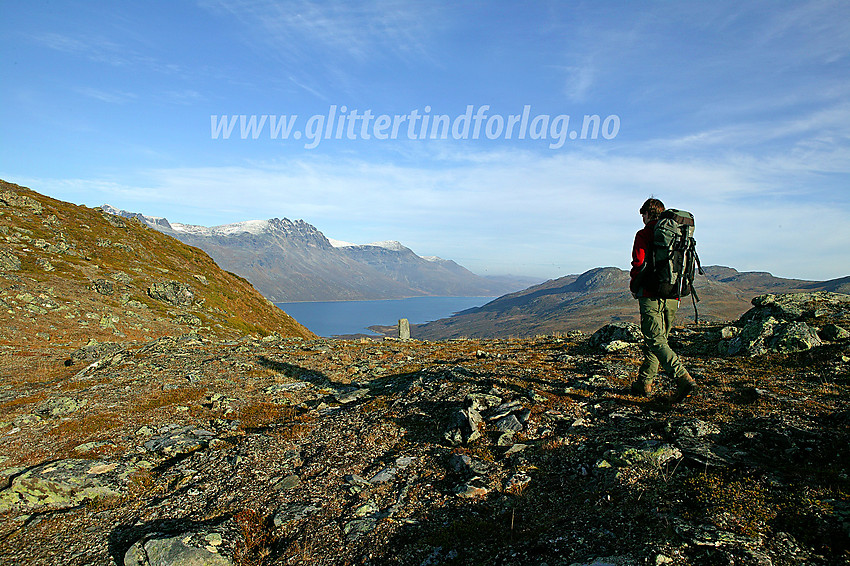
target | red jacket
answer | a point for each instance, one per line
(642, 247)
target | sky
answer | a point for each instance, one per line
(444, 124)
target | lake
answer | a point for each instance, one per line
(331, 318)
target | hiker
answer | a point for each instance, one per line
(656, 314)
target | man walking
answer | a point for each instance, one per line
(656, 314)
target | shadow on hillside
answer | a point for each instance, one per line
(297, 372)
(573, 510)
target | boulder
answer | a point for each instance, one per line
(172, 292)
(628, 332)
(185, 549)
(180, 440)
(769, 335)
(796, 306)
(103, 287)
(648, 453)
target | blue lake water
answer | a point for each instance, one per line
(355, 317)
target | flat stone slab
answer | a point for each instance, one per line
(64, 484)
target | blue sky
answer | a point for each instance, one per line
(737, 112)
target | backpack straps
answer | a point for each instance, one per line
(694, 296)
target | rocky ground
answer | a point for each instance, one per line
(192, 450)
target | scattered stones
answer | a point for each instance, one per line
(95, 351)
(439, 452)
(10, 198)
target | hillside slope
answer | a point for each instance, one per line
(463, 452)
(70, 274)
(600, 296)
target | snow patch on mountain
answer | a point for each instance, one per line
(340, 243)
(249, 226)
(393, 245)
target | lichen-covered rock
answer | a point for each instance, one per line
(618, 331)
(185, 549)
(10, 198)
(95, 351)
(62, 485)
(764, 335)
(172, 292)
(650, 452)
(794, 337)
(181, 440)
(103, 286)
(9, 261)
(61, 406)
(796, 306)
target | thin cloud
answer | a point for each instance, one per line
(111, 97)
(531, 210)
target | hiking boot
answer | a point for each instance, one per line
(641, 388)
(685, 388)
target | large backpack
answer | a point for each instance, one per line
(674, 258)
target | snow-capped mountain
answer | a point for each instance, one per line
(291, 260)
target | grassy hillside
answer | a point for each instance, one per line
(71, 274)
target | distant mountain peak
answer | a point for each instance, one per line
(393, 245)
(153, 221)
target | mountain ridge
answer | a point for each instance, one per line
(290, 261)
(600, 296)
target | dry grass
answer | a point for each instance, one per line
(264, 414)
(19, 403)
(171, 398)
(257, 538)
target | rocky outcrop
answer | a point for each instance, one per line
(64, 484)
(616, 336)
(785, 323)
(172, 292)
(9, 261)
